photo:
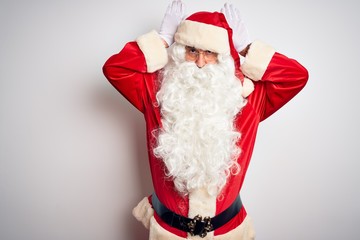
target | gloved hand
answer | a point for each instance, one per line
(175, 13)
(241, 36)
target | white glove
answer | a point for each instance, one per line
(241, 36)
(175, 13)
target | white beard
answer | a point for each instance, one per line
(198, 140)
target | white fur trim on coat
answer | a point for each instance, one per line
(203, 36)
(154, 51)
(257, 60)
(245, 231)
(200, 202)
(144, 213)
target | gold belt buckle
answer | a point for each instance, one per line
(200, 226)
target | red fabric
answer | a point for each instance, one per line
(283, 79)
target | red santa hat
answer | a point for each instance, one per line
(207, 31)
(210, 31)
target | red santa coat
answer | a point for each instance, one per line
(134, 71)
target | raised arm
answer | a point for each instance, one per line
(131, 70)
(280, 78)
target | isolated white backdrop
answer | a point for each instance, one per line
(73, 161)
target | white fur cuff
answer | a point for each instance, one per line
(257, 60)
(154, 51)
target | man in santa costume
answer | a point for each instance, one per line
(202, 109)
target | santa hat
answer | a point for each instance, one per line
(207, 31)
(210, 31)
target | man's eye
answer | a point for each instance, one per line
(193, 50)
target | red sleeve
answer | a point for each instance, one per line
(283, 79)
(125, 71)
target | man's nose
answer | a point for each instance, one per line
(200, 61)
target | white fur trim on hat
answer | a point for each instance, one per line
(203, 36)
(257, 60)
(154, 51)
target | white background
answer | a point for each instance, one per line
(73, 159)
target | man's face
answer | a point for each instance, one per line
(200, 57)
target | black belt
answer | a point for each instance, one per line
(197, 225)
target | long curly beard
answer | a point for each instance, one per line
(198, 140)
